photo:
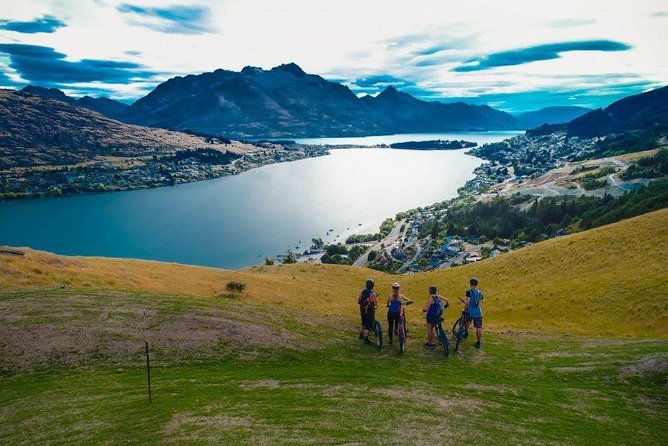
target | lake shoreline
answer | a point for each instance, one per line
(238, 220)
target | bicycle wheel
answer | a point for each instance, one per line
(378, 331)
(443, 339)
(402, 337)
(459, 337)
(455, 327)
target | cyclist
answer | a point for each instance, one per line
(367, 302)
(434, 308)
(473, 309)
(394, 303)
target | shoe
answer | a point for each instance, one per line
(431, 346)
(466, 334)
(477, 345)
(366, 341)
(361, 336)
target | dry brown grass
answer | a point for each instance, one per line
(611, 280)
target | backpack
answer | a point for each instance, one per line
(440, 307)
(365, 300)
(475, 298)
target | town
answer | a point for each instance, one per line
(126, 173)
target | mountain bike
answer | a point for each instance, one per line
(401, 328)
(459, 329)
(377, 331)
(442, 337)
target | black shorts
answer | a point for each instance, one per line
(368, 319)
(477, 322)
(433, 320)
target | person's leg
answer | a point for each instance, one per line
(362, 318)
(430, 333)
(478, 331)
(390, 325)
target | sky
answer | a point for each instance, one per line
(513, 55)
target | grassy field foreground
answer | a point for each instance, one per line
(576, 351)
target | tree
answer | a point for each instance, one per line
(372, 256)
(317, 243)
(268, 261)
(289, 257)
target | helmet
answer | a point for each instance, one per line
(395, 285)
(473, 281)
(369, 284)
(432, 290)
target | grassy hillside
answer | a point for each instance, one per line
(36, 131)
(281, 364)
(607, 281)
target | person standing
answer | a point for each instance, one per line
(435, 306)
(394, 303)
(367, 303)
(473, 308)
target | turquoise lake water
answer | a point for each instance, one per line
(235, 221)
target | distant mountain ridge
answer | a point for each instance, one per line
(287, 102)
(104, 106)
(550, 115)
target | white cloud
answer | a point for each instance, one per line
(351, 39)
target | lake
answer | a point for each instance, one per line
(235, 221)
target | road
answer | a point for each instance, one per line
(388, 241)
(460, 257)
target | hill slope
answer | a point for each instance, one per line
(606, 281)
(287, 102)
(35, 130)
(645, 111)
(281, 365)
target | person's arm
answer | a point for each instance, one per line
(426, 307)
(405, 299)
(446, 302)
(373, 299)
(388, 302)
(468, 299)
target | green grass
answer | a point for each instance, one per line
(514, 391)
(319, 385)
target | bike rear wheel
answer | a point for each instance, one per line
(461, 329)
(378, 331)
(443, 339)
(402, 337)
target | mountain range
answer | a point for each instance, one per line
(104, 106)
(287, 102)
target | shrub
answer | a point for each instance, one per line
(235, 287)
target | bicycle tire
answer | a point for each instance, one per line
(443, 339)
(378, 331)
(455, 326)
(402, 338)
(460, 335)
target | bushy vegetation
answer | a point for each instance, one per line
(620, 144)
(649, 167)
(595, 180)
(234, 286)
(502, 217)
(340, 254)
(207, 156)
(385, 228)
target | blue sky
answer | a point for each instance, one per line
(512, 55)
